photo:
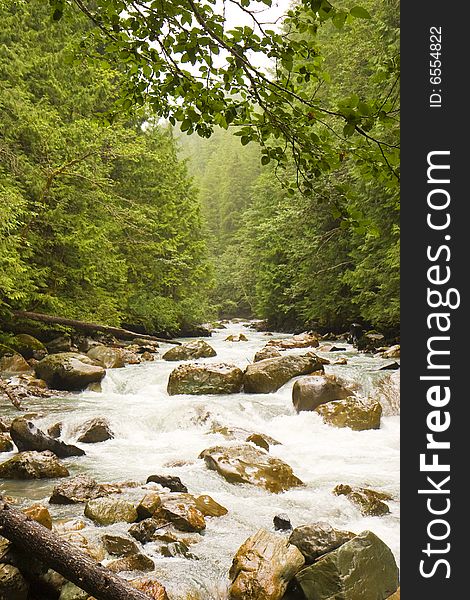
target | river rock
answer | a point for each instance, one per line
(33, 465)
(108, 510)
(248, 464)
(55, 430)
(144, 531)
(6, 445)
(310, 392)
(151, 587)
(197, 378)
(263, 566)
(340, 361)
(238, 337)
(302, 340)
(94, 430)
(71, 592)
(282, 522)
(13, 365)
(40, 514)
(80, 488)
(133, 562)
(109, 358)
(27, 436)
(395, 596)
(387, 392)
(394, 366)
(267, 352)
(369, 502)
(190, 351)
(370, 341)
(176, 549)
(269, 375)
(355, 413)
(316, 539)
(363, 567)
(182, 511)
(28, 346)
(173, 483)
(392, 352)
(13, 586)
(119, 545)
(69, 371)
(209, 507)
(148, 505)
(62, 343)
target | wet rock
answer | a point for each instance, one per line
(387, 392)
(5, 424)
(209, 507)
(55, 430)
(151, 587)
(144, 531)
(33, 465)
(71, 592)
(369, 502)
(370, 341)
(173, 483)
(28, 346)
(310, 392)
(262, 440)
(69, 371)
(94, 431)
(263, 566)
(363, 567)
(80, 539)
(6, 445)
(282, 522)
(190, 351)
(340, 361)
(13, 586)
(118, 545)
(148, 506)
(147, 356)
(81, 488)
(176, 549)
(109, 358)
(13, 365)
(131, 358)
(319, 538)
(392, 352)
(134, 562)
(197, 378)
(239, 337)
(62, 527)
(63, 343)
(394, 366)
(40, 514)
(181, 510)
(355, 413)
(302, 340)
(27, 436)
(108, 510)
(247, 464)
(269, 375)
(266, 352)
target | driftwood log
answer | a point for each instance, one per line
(54, 552)
(119, 332)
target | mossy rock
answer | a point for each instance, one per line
(28, 346)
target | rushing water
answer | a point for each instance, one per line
(156, 433)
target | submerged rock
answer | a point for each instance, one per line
(196, 378)
(119, 545)
(107, 510)
(363, 567)
(94, 430)
(269, 375)
(355, 413)
(190, 351)
(173, 483)
(33, 465)
(248, 464)
(369, 502)
(133, 562)
(27, 436)
(263, 566)
(310, 392)
(316, 539)
(69, 371)
(109, 358)
(80, 488)
(282, 522)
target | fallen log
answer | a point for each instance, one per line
(119, 332)
(54, 552)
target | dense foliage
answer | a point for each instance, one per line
(96, 222)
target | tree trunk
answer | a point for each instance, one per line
(37, 541)
(122, 334)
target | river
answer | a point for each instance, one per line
(159, 434)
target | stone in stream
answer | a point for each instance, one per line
(363, 567)
(316, 539)
(181, 510)
(247, 464)
(40, 514)
(13, 365)
(310, 392)
(144, 531)
(370, 502)
(214, 378)
(173, 483)
(94, 431)
(28, 346)
(269, 375)
(13, 586)
(190, 351)
(282, 522)
(302, 340)
(209, 507)
(55, 430)
(33, 465)
(392, 352)
(239, 337)
(176, 549)
(109, 358)
(151, 587)
(27, 436)
(119, 545)
(62, 343)
(6, 445)
(356, 413)
(148, 505)
(108, 510)
(266, 352)
(394, 366)
(263, 566)
(133, 562)
(81, 488)
(69, 371)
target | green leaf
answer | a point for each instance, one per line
(265, 160)
(359, 12)
(349, 129)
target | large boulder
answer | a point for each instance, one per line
(302, 340)
(13, 586)
(69, 371)
(109, 510)
(94, 430)
(263, 566)
(355, 413)
(27, 436)
(181, 510)
(310, 392)
(363, 567)
(80, 488)
(369, 502)
(197, 378)
(28, 346)
(109, 358)
(33, 465)
(316, 539)
(248, 464)
(266, 352)
(13, 365)
(269, 375)
(190, 351)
